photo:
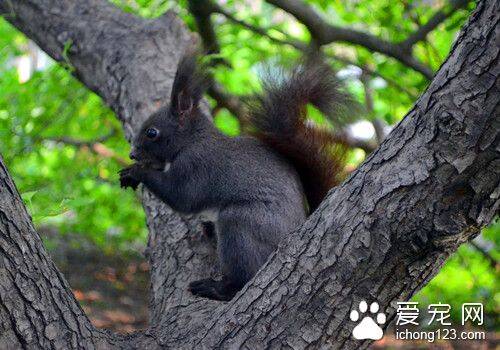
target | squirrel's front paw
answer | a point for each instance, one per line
(212, 289)
(128, 177)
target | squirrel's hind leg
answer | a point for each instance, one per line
(245, 237)
(212, 289)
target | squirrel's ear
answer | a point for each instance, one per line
(189, 84)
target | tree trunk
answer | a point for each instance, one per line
(382, 235)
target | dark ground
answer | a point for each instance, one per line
(111, 287)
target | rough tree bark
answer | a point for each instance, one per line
(382, 235)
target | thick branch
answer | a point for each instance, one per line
(37, 308)
(381, 235)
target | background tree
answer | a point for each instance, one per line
(130, 63)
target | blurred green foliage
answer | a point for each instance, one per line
(66, 185)
(63, 146)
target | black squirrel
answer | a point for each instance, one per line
(259, 188)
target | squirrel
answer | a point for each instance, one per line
(260, 186)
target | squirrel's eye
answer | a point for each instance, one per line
(151, 133)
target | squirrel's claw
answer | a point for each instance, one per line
(127, 180)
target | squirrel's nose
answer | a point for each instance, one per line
(133, 154)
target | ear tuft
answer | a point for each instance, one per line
(191, 81)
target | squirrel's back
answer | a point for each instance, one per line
(279, 115)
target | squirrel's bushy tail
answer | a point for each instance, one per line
(278, 117)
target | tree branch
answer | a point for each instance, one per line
(305, 49)
(345, 137)
(261, 31)
(438, 18)
(324, 33)
(374, 73)
(486, 254)
(96, 146)
(379, 236)
(202, 13)
(37, 307)
(378, 124)
(231, 102)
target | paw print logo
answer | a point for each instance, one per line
(368, 328)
